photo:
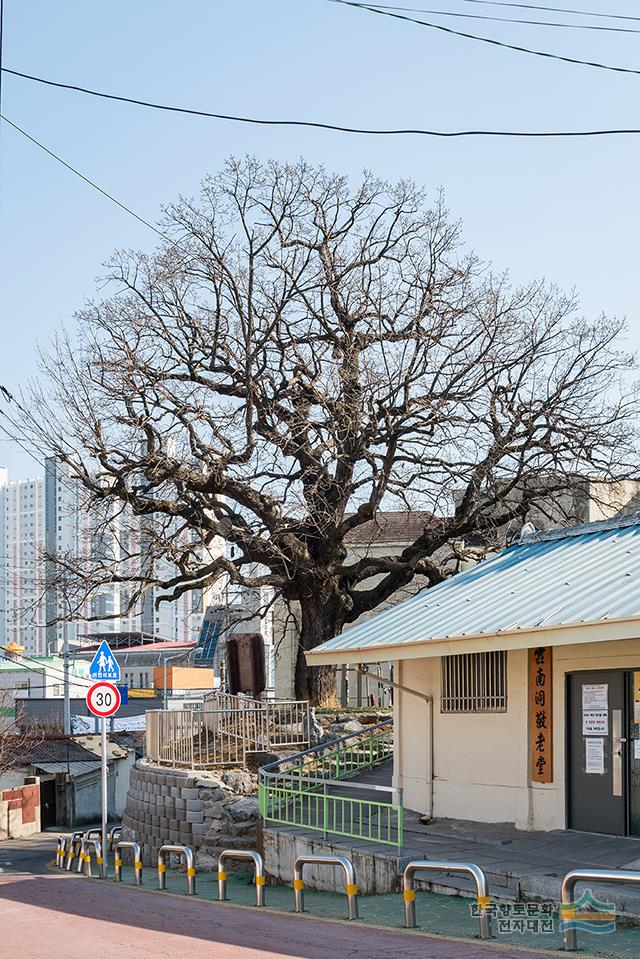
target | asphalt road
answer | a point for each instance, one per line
(48, 914)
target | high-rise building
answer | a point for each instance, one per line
(44, 521)
(22, 583)
(124, 543)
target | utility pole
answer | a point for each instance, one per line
(1, 38)
(65, 673)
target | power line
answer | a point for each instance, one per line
(1, 48)
(73, 677)
(408, 131)
(534, 6)
(86, 179)
(530, 23)
(490, 40)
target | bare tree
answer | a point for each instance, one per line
(302, 353)
(17, 738)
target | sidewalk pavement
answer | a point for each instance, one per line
(56, 916)
(47, 912)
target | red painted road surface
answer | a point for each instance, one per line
(53, 916)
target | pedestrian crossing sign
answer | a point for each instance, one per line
(104, 664)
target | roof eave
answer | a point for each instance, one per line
(561, 635)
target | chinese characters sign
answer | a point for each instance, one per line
(541, 714)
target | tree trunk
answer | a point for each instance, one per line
(316, 683)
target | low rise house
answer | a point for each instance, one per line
(38, 677)
(517, 693)
(68, 772)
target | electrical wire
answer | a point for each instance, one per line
(446, 134)
(490, 40)
(535, 6)
(531, 23)
(73, 677)
(1, 49)
(86, 179)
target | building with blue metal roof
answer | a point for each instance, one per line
(517, 683)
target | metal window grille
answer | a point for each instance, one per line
(474, 683)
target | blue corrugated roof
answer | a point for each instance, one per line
(584, 574)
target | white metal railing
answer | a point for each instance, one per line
(223, 735)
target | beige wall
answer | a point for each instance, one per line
(480, 761)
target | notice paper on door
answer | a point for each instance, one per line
(636, 749)
(595, 723)
(594, 756)
(595, 696)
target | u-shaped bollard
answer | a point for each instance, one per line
(346, 864)
(409, 893)
(185, 851)
(115, 834)
(241, 854)
(568, 915)
(61, 851)
(85, 857)
(137, 860)
(75, 844)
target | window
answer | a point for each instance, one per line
(57, 689)
(474, 683)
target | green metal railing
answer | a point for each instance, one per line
(313, 790)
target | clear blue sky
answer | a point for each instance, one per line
(567, 210)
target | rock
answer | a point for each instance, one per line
(215, 794)
(255, 760)
(232, 842)
(243, 808)
(371, 719)
(350, 726)
(205, 862)
(211, 782)
(241, 828)
(240, 781)
(327, 738)
(216, 826)
(213, 810)
(353, 726)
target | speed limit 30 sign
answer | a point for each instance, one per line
(103, 699)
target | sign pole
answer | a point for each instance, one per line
(103, 700)
(105, 785)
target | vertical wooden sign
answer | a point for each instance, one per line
(636, 697)
(541, 714)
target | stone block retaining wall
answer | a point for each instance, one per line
(206, 811)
